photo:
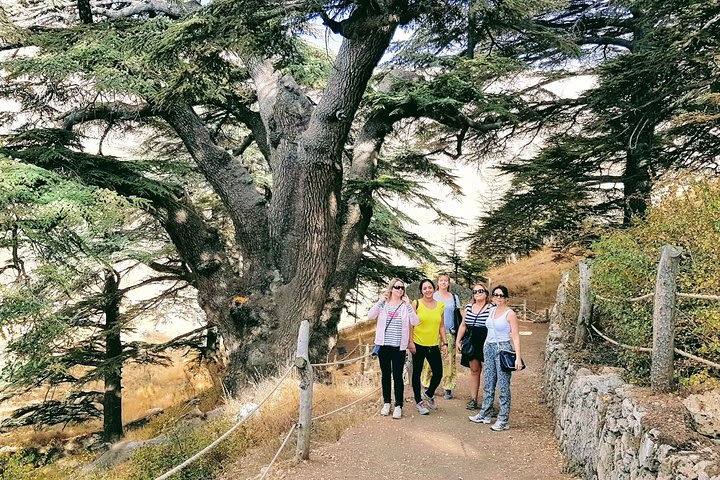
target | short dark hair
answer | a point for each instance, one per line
(503, 289)
(425, 280)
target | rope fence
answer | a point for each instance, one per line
(649, 350)
(282, 378)
(633, 299)
(623, 345)
(338, 362)
(266, 470)
(347, 355)
(346, 406)
(697, 296)
(229, 432)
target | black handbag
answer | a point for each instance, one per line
(466, 345)
(457, 316)
(507, 360)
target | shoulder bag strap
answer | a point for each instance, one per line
(389, 317)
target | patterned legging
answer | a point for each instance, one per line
(494, 375)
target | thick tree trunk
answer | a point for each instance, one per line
(233, 183)
(112, 401)
(308, 175)
(84, 11)
(293, 250)
(356, 219)
(637, 181)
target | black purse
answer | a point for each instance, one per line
(466, 345)
(507, 357)
(507, 360)
(457, 316)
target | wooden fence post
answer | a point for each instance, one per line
(365, 361)
(525, 309)
(302, 362)
(560, 298)
(661, 370)
(585, 302)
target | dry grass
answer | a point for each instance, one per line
(254, 444)
(250, 448)
(154, 386)
(144, 387)
(535, 278)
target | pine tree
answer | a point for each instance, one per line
(620, 136)
(62, 312)
(289, 148)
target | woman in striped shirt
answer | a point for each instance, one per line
(394, 316)
(474, 321)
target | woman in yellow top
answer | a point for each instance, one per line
(425, 339)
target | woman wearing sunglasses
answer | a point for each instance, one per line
(503, 327)
(394, 316)
(424, 345)
(473, 326)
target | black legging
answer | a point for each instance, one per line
(392, 359)
(433, 357)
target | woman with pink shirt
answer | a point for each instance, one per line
(394, 316)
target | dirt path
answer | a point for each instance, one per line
(445, 444)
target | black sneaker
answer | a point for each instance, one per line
(472, 405)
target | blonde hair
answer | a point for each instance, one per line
(443, 275)
(472, 295)
(389, 289)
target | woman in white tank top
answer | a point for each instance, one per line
(503, 334)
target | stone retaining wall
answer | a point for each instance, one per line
(610, 430)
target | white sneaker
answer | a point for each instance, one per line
(480, 419)
(429, 401)
(385, 410)
(499, 426)
(422, 408)
(397, 413)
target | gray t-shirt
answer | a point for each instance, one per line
(449, 312)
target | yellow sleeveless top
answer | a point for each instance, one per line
(427, 333)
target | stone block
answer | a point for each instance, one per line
(705, 412)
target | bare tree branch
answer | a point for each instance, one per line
(133, 8)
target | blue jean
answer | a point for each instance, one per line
(494, 375)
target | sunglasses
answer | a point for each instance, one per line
(398, 287)
(499, 295)
(479, 290)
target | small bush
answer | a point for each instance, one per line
(184, 442)
(26, 465)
